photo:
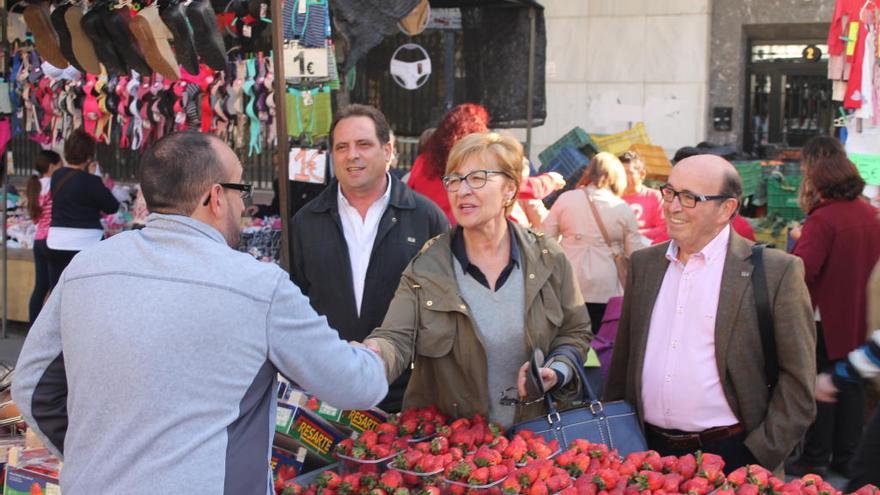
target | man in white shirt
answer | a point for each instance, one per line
(351, 243)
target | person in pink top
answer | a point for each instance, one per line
(645, 202)
(688, 351)
(39, 201)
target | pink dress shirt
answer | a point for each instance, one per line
(681, 388)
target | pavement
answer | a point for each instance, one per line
(10, 347)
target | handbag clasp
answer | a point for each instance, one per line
(596, 407)
(551, 415)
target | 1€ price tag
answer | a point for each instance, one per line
(302, 62)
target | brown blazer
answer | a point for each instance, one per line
(774, 426)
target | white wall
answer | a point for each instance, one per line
(611, 63)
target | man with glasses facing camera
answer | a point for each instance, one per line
(688, 352)
(153, 363)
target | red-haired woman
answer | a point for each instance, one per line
(430, 165)
(39, 206)
(839, 244)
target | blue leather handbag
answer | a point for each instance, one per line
(614, 424)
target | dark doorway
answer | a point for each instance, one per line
(788, 98)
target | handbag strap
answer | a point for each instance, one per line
(599, 221)
(765, 316)
(588, 396)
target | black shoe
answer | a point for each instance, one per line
(799, 468)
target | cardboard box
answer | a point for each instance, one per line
(21, 481)
(308, 430)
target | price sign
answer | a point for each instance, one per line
(302, 62)
(812, 53)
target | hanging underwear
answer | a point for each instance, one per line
(269, 82)
(91, 111)
(254, 126)
(105, 121)
(137, 127)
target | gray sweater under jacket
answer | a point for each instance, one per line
(152, 367)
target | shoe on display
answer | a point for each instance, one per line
(65, 42)
(118, 24)
(39, 22)
(209, 42)
(153, 37)
(93, 25)
(83, 50)
(173, 15)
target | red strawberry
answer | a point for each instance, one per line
(386, 428)
(430, 490)
(369, 438)
(479, 476)
(557, 482)
(378, 491)
(607, 479)
(738, 476)
(439, 445)
(539, 488)
(696, 486)
(391, 480)
(511, 486)
(497, 472)
(687, 466)
(628, 468)
(565, 458)
(670, 464)
(748, 489)
(651, 480)
(672, 482)
(312, 404)
(725, 491)
(652, 461)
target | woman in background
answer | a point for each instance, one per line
(572, 220)
(39, 206)
(78, 198)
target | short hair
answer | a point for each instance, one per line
(828, 173)
(79, 147)
(632, 157)
(732, 186)
(605, 171)
(383, 130)
(502, 149)
(178, 169)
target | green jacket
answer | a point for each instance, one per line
(450, 367)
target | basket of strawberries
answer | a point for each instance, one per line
(369, 453)
(479, 473)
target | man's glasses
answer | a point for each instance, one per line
(687, 199)
(475, 179)
(244, 189)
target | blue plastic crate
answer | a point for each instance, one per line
(568, 163)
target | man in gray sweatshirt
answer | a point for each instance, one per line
(152, 367)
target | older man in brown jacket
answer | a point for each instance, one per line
(688, 352)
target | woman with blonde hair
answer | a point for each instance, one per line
(475, 303)
(578, 218)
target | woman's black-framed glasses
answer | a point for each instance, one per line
(688, 199)
(244, 189)
(475, 179)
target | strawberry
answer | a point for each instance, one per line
(650, 480)
(738, 476)
(380, 451)
(369, 438)
(748, 489)
(528, 475)
(579, 465)
(761, 476)
(672, 482)
(812, 479)
(696, 486)
(670, 464)
(391, 480)
(429, 490)
(312, 404)
(565, 458)
(479, 476)
(401, 491)
(569, 490)
(387, 429)
(486, 456)
(511, 486)
(607, 479)
(439, 445)
(497, 472)
(378, 491)
(725, 491)
(867, 490)
(687, 466)
(539, 488)
(557, 482)
(652, 461)
(628, 468)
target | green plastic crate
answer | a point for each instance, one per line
(576, 137)
(782, 197)
(751, 175)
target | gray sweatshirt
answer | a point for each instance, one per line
(152, 367)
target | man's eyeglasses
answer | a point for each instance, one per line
(687, 199)
(244, 189)
(475, 179)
